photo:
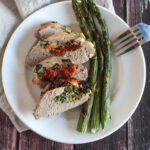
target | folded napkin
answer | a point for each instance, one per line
(9, 20)
(26, 7)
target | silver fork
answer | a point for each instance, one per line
(131, 39)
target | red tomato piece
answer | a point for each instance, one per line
(49, 75)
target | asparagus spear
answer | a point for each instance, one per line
(105, 108)
(86, 108)
(81, 20)
(89, 19)
(95, 115)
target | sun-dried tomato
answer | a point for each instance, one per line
(64, 72)
(67, 71)
(61, 50)
(49, 75)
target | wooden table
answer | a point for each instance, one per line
(134, 135)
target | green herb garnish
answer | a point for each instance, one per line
(39, 73)
(68, 61)
(69, 42)
(53, 21)
(66, 29)
(43, 42)
(42, 93)
(69, 91)
(57, 47)
(55, 66)
(38, 67)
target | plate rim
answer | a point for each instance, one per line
(94, 139)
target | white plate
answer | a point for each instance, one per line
(128, 79)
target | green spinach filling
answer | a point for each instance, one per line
(43, 42)
(70, 91)
(39, 69)
(55, 66)
(68, 61)
(66, 29)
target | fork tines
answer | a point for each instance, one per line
(127, 41)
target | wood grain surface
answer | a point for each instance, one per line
(134, 135)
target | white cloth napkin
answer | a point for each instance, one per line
(8, 21)
(26, 7)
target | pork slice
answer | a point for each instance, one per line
(82, 54)
(35, 55)
(63, 37)
(39, 53)
(48, 106)
(50, 28)
(81, 71)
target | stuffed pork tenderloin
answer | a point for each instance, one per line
(65, 86)
(69, 45)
